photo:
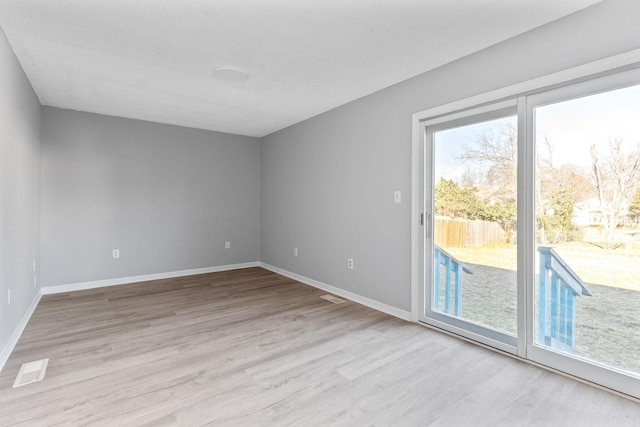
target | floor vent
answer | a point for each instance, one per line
(31, 372)
(333, 299)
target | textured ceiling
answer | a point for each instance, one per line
(155, 59)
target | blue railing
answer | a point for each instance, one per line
(559, 287)
(452, 267)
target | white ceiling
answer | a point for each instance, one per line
(155, 59)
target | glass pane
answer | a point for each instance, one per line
(587, 228)
(474, 227)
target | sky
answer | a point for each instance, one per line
(570, 126)
(573, 126)
(451, 143)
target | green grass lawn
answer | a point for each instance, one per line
(618, 268)
(607, 323)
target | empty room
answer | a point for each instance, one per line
(313, 213)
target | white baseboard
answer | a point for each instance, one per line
(376, 305)
(13, 340)
(144, 278)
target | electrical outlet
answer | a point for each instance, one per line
(350, 263)
(115, 253)
(295, 251)
(227, 245)
(8, 296)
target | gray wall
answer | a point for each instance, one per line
(19, 152)
(167, 197)
(328, 182)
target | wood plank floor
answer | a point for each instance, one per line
(250, 347)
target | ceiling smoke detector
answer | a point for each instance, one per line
(230, 74)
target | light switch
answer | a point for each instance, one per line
(397, 197)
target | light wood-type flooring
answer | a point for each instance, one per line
(253, 348)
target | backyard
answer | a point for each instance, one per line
(607, 323)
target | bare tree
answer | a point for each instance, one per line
(558, 188)
(492, 160)
(615, 175)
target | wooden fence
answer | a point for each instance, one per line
(461, 233)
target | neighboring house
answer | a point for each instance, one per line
(589, 214)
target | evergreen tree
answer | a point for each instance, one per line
(634, 206)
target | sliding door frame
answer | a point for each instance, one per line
(606, 375)
(526, 95)
(458, 325)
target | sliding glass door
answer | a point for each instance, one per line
(587, 229)
(529, 235)
(470, 244)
